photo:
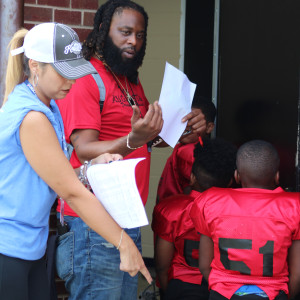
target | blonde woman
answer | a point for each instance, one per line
(33, 163)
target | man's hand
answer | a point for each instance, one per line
(147, 128)
(196, 121)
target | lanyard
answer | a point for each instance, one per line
(29, 85)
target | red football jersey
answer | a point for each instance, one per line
(171, 221)
(177, 171)
(252, 230)
(80, 109)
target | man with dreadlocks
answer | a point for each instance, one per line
(116, 48)
(250, 236)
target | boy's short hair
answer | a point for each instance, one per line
(214, 163)
(258, 161)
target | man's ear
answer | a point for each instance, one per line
(210, 127)
(276, 178)
(237, 177)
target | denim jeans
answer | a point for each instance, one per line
(90, 266)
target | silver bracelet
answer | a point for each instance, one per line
(127, 143)
(83, 174)
(120, 239)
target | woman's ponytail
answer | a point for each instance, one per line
(15, 72)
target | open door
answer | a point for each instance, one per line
(258, 71)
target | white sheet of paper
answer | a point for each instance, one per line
(115, 187)
(175, 99)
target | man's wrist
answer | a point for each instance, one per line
(128, 143)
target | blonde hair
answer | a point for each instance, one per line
(15, 66)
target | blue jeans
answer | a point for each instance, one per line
(90, 266)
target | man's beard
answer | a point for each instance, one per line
(119, 65)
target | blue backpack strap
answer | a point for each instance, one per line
(101, 88)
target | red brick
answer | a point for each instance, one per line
(29, 1)
(37, 14)
(82, 33)
(28, 25)
(88, 19)
(85, 4)
(67, 17)
(59, 3)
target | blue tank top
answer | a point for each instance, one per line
(25, 199)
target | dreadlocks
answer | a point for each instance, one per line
(97, 38)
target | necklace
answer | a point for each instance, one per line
(124, 91)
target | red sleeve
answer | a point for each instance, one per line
(163, 224)
(80, 109)
(296, 235)
(169, 183)
(185, 160)
(197, 215)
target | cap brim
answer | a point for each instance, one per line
(73, 69)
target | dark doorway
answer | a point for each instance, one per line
(258, 76)
(199, 30)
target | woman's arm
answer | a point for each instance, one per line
(43, 152)
(163, 255)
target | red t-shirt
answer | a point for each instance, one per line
(177, 171)
(171, 221)
(81, 110)
(252, 230)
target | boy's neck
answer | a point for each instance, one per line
(257, 186)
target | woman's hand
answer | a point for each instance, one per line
(131, 259)
(106, 158)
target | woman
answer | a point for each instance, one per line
(34, 169)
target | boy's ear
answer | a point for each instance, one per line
(193, 180)
(210, 127)
(276, 178)
(237, 177)
(230, 182)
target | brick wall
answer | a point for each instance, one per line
(78, 14)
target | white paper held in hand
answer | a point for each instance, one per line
(175, 99)
(115, 187)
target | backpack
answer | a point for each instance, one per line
(101, 88)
